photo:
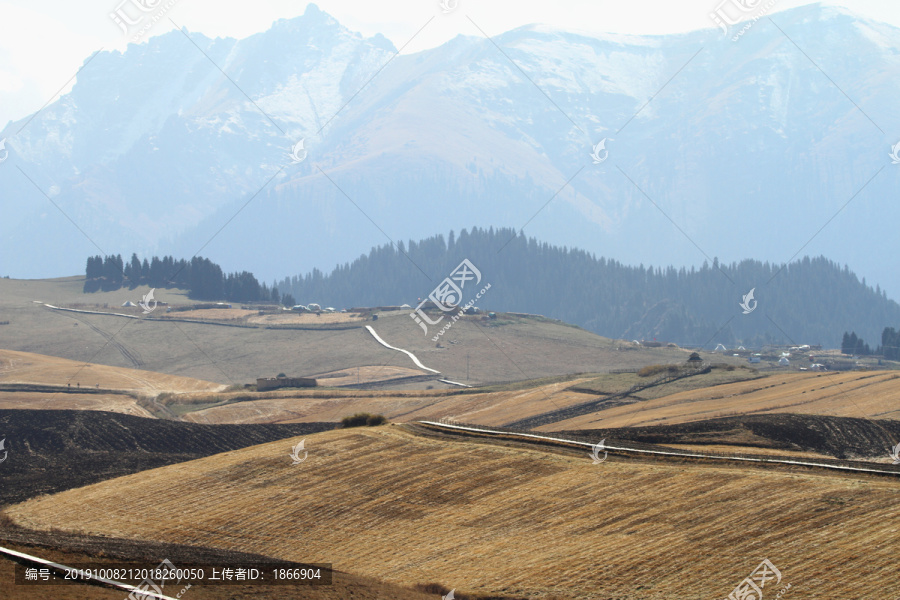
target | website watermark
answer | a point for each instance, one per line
(597, 449)
(733, 12)
(145, 302)
(599, 153)
(752, 587)
(148, 588)
(298, 152)
(140, 16)
(747, 299)
(895, 153)
(295, 453)
(448, 6)
(448, 295)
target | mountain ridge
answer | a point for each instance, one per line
(746, 147)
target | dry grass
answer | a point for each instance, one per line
(292, 318)
(26, 367)
(488, 408)
(367, 374)
(65, 401)
(383, 502)
(508, 349)
(873, 395)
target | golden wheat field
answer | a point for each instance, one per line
(387, 503)
(871, 395)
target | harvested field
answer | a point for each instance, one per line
(872, 395)
(835, 437)
(210, 314)
(25, 367)
(368, 374)
(495, 518)
(117, 403)
(488, 408)
(54, 450)
(292, 318)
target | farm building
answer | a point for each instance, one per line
(273, 383)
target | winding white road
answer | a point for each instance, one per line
(406, 352)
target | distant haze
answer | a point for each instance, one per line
(761, 148)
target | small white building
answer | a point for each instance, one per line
(783, 362)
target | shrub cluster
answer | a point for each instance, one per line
(363, 419)
(650, 370)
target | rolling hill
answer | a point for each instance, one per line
(511, 348)
(861, 395)
(492, 518)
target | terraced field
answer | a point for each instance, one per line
(519, 521)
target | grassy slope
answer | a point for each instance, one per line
(386, 503)
(523, 348)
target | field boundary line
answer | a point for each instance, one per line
(118, 584)
(406, 352)
(664, 452)
(465, 385)
(337, 326)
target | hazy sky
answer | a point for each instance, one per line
(42, 44)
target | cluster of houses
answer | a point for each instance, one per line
(783, 359)
(313, 308)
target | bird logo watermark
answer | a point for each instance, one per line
(4, 153)
(145, 302)
(600, 147)
(895, 154)
(295, 453)
(747, 299)
(449, 5)
(5, 453)
(895, 454)
(597, 449)
(298, 152)
(449, 596)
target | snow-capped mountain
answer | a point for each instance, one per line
(711, 147)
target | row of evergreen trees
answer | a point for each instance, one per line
(203, 279)
(809, 301)
(889, 348)
(805, 302)
(852, 344)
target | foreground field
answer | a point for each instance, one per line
(870, 395)
(386, 503)
(47, 451)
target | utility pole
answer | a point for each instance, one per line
(467, 366)
(357, 375)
